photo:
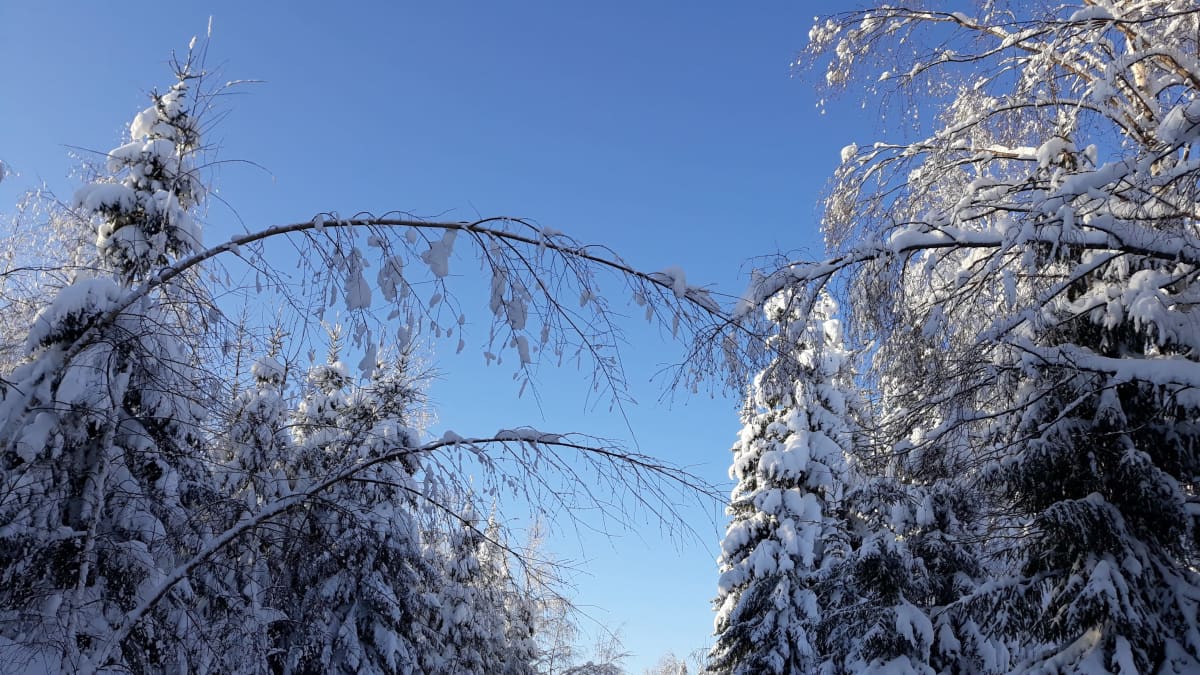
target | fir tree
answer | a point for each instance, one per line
(915, 518)
(102, 463)
(520, 645)
(1097, 470)
(873, 623)
(480, 580)
(253, 473)
(355, 583)
(472, 604)
(790, 465)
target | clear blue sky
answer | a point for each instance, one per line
(676, 133)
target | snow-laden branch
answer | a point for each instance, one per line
(1173, 372)
(638, 463)
(671, 284)
(691, 294)
(1129, 238)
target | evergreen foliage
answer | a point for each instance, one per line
(788, 529)
(1021, 277)
(103, 472)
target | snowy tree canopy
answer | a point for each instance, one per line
(1020, 274)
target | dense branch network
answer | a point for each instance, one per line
(1019, 282)
(179, 492)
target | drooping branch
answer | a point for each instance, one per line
(640, 465)
(669, 288)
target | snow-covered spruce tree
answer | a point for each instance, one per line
(893, 599)
(473, 630)
(100, 458)
(254, 457)
(915, 519)
(1104, 465)
(486, 630)
(871, 622)
(520, 650)
(355, 589)
(787, 530)
(343, 584)
(1040, 237)
(258, 446)
(941, 524)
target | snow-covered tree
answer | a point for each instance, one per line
(486, 632)
(554, 620)
(254, 470)
(157, 515)
(101, 436)
(506, 593)
(44, 245)
(344, 584)
(606, 657)
(1026, 270)
(912, 529)
(668, 664)
(259, 445)
(351, 579)
(788, 524)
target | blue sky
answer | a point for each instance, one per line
(676, 133)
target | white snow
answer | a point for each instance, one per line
(676, 278)
(438, 254)
(101, 196)
(1091, 13)
(357, 291)
(1181, 124)
(522, 344)
(528, 434)
(74, 303)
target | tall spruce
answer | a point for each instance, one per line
(358, 591)
(1102, 465)
(102, 465)
(254, 472)
(475, 608)
(787, 528)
